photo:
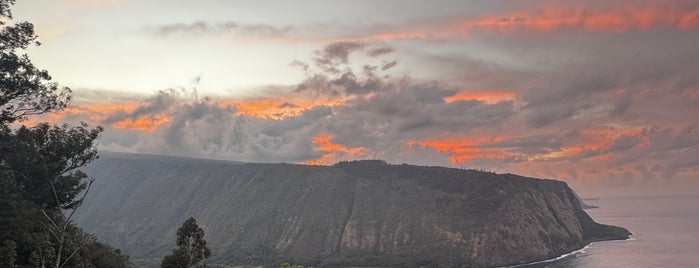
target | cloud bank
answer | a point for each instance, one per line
(603, 96)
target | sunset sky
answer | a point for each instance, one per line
(601, 94)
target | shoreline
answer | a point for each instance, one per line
(563, 256)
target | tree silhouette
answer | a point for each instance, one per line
(191, 247)
(24, 89)
(40, 184)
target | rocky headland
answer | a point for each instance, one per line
(359, 214)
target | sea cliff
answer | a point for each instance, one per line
(363, 213)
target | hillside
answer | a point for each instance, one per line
(364, 213)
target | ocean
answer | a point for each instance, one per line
(665, 234)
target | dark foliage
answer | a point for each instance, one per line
(191, 247)
(39, 176)
(24, 89)
(40, 163)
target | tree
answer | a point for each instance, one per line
(42, 162)
(39, 176)
(39, 167)
(191, 247)
(8, 253)
(24, 89)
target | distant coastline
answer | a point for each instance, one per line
(574, 252)
(553, 259)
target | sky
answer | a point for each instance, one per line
(601, 94)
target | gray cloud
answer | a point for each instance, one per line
(337, 53)
(635, 89)
(410, 112)
(536, 144)
(288, 105)
(381, 124)
(205, 129)
(379, 51)
(163, 100)
(624, 143)
(224, 28)
(388, 65)
(331, 74)
(198, 27)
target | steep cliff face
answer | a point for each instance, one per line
(363, 213)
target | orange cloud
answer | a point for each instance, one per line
(487, 96)
(332, 152)
(597, 140)
(92, 112)
(464, 149)
(275, 108)
(604, 137)
(51, 118)
(619, 18)
(96, 112)
(572, 150)
(99, 110)
(146, 123)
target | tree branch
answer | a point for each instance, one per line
(77, 205)
(82, 244)
(55, 195)
(50, 220)
(49, 228)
